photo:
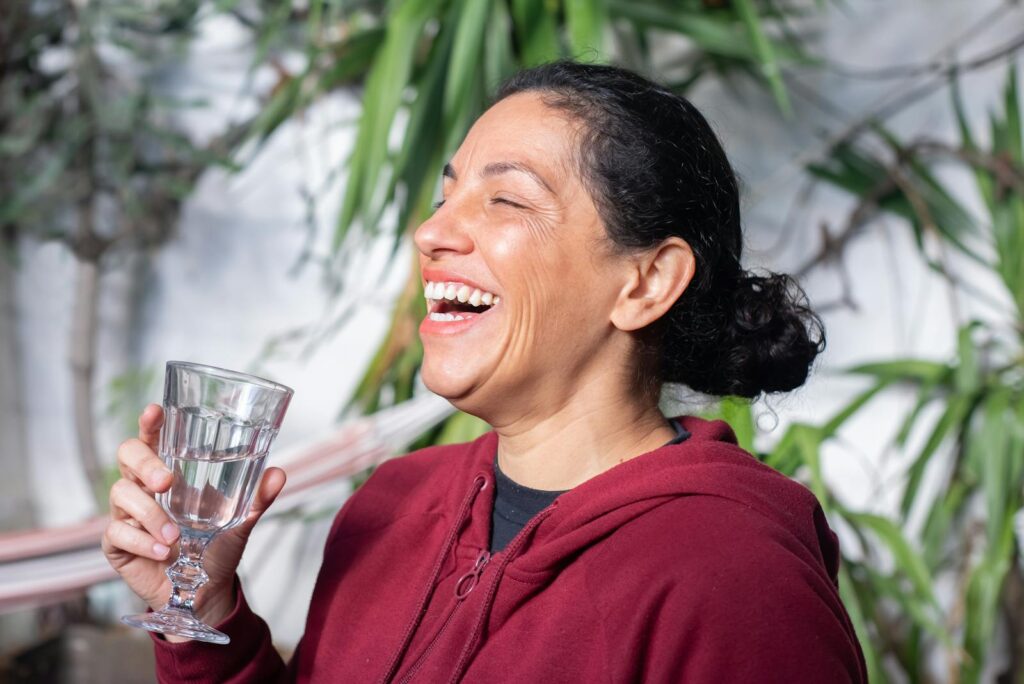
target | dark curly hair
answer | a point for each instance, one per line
(655, 169)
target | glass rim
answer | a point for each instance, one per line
(228, 374)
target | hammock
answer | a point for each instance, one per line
(39, 567)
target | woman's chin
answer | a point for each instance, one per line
(449, 383)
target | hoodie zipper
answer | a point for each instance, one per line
(509, 553)
(463, 587)
(479, 484)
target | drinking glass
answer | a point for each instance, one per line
(218, 427)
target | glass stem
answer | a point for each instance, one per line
(187, 574)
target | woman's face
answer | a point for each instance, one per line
(517, 225)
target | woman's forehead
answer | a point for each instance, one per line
(519, 133)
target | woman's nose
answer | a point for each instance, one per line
(443, 233)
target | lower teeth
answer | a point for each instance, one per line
(445, 317)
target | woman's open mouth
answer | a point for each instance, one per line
(451, 301)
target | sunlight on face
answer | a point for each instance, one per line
(517, 223)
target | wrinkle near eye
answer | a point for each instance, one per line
(541, 222)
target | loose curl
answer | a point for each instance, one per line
(655, 169)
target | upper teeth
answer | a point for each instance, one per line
(459, 292)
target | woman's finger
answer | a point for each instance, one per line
(139, 463)
(126, 497)
(150, 421)
(120, 535)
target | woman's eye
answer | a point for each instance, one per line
(437, 204)
(502, 200)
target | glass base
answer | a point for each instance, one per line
(177, 622)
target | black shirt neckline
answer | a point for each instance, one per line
(515, 504)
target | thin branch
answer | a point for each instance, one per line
(938, 67)
(1008, 174)
(888, 105)
(867, 208)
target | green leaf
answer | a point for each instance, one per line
(353, 58)
(765, 53)
(958, 410)
(967, 375)
(717, 36)
(536, 32)
(33, 188)
(927, 392)
(905, 370)
(936, 534)
(738, 413)
(462, 427)
(982, 177)
(499, 62)
(907, 559)
(585, 20)
(392, 66)
(283, 104)
(860, 624)
(464, 69)
(1007, 204)
(831, 427)
(993, 441)
(981, 614)
(1014, 135)
(418, 163)
(947, 215)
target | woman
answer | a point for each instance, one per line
(586, 251)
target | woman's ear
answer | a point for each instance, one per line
(657, 279)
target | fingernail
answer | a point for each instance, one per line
(158, 477)
(169, 531)
(160, 550)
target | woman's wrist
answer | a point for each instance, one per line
(216, 607)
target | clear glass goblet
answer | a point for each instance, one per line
(218, 427)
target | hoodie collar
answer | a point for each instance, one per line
(709, 462)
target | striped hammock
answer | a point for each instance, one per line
(44, 566)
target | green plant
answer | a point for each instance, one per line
(90, 155)
(969, 410)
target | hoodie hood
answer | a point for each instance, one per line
(708, 463)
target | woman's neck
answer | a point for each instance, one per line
(592, 431)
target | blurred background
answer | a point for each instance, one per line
(234, 182)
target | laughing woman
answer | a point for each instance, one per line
(586, 251)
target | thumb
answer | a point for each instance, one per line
(270, 486)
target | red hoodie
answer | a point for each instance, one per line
(693, 562)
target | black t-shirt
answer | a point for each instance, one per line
(515, 504)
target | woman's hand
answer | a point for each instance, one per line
(140, 541)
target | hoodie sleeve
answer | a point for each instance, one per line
(250, 657)
(728, 595)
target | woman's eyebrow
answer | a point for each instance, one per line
(498, 168)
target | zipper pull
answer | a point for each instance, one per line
(469, 581)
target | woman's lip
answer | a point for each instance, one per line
(428, 325)
(440, 276)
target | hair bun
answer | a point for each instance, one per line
(766, 343)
